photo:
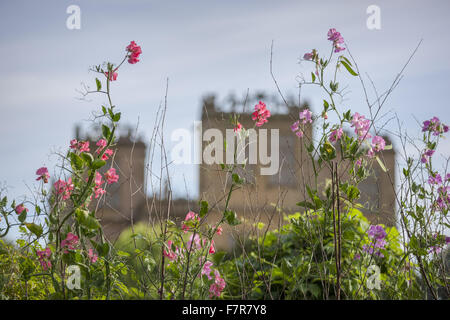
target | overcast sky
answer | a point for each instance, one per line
(202, 47)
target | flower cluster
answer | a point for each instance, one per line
(377, 237)
(378, 144)
(261, 114)
(191, 219)
(218, 286)
(434, 126)
(111, 176)
(81, 146)
(337, 39)
(98, 181)
(134, 52)
(92, 256)
(336, 134)
(438, 242)
(305, 117)
(69, 243)
(64, 188)
(427, 155)
(443, 199)
(362, 126)
(101, 144)
(44, 258)
(43, 174)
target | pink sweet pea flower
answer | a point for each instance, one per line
(237, 127)
(112, 77)
(44, 258)
(92, 256)
(336, 135)
(217, 287)
(43, 174)
(261, 114)
(134, 52)
(69, 243)
(108, 153)
(212, 250)
(206, 270)
(378, 143)
(20, 208)
(111, 176)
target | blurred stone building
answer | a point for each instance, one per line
(262, 198)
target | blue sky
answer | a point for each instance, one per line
(202, 47)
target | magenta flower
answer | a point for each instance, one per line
(64, 188)
(44, 258)
(237, 127)
(443, 197)
(377, 242)
(108, 153)
(134, 52)
(337, 39)
(69, 243)
(305, 116)
(92, 256)
(206, 270)
(43, 174)
(112, 77)
(435, 179)
(20, 208)
(111, 176)
(81, 146)
(336, 135)
(217, 287)
(212, 250)
(170, 253)
(427, 155)
(261, 114)
(434, 126)
(189, 216)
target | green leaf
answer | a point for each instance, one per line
(313, 77)
(349, 69)
(381, 164)
(306, 204)
(75, 161)
(86, 220)
(88, 158)
(106, 131)
(99, 84)
(104, 110)
(97, 164)
(203, 208)
(231, 218)
(34, 228)
(23, 216)
(116, 117)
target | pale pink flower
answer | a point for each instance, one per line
(305, 116)
(92, 256)
(378, 143)
(217, 287)
(206, 270)
(336, 135)
(197, 242)
(237, 127)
